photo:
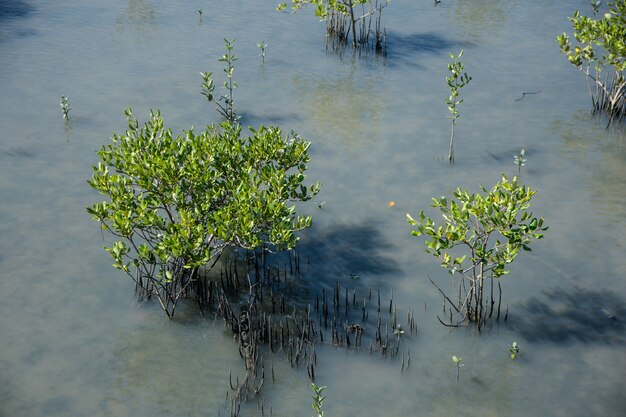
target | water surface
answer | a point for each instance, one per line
(74, 340)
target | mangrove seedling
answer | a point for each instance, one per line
(519, 160)
(458, 363)
(262, 46)
(595, 5)
(480, 236)
(514, 350)
(200, 12)
(174, 203)
(208, 86)
(225, 103)
(318, 399)
(600, 54)
(65, 107)
(457, 80)
(345, 17)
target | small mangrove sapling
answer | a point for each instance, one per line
(595, 5)
(263, 48)
(225, 103)
(458, 362)
(480, 236)
(318, 399)
(519, 160)
(514, 350)
(65, 107)
(457, 80)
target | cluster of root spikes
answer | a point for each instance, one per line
(255, 306)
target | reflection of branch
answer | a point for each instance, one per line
(524, 95)
(552, 266)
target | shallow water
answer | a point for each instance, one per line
(75, 342)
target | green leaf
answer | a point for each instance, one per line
(173, 205)
(484, 227)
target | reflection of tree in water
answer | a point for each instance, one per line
(481, 17)
(609, 183)
(348, 107)
(140, 13)
(158, 357)
(563, 315)
(587, 143)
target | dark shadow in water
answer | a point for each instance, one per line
(508, 155)
(564, 315)
(405, 49)
(11, 9)
(344, 249)
(17, 152)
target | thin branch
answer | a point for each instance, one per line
(443, 294)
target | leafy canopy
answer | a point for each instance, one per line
(600, 40)
(601, 45)
(174, 202)
(457, 80)
(490, 228)
(481, 234)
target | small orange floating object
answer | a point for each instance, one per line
(391, 204)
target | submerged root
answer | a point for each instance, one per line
(363, 33)
(610, 98)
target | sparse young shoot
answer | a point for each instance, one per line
(595, 5)
(65, 107)
(318, 399)
(519, 160)
(225, 103)
(457, 80)
(262, 47)
(458, 362)
(208, 86)
(514, 350)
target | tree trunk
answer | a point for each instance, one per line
(351, 5)
(451, 150)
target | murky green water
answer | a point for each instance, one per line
(74, 342)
